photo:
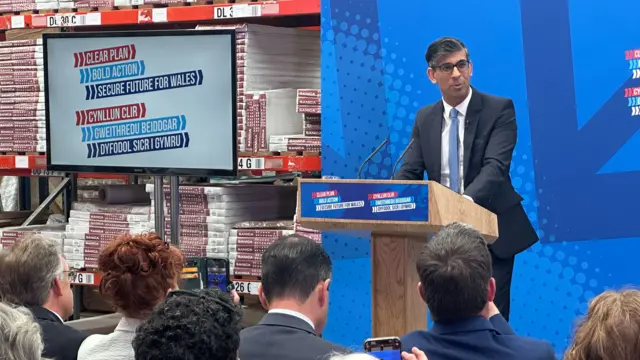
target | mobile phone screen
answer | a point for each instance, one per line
(218, 274)
(384, 348)
(390, 354)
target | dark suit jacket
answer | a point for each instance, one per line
(479, 339)
(489, 139)
(61, 342)
(284, 337)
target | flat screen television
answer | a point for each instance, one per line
(141, 102)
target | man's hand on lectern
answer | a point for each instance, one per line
(416, 354)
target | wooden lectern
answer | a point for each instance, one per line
(400, 215)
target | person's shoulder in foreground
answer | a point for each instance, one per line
(296, 272)
(454, 268)
(486, 344)
(33, 274)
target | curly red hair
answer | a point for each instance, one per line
(137, 271)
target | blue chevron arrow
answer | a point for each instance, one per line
(89, 151)
(183, 122)
(95, 149)
(84, 134)
(142, 67)
(93, 92)
(88, 90)
(567, 202)
(88, 75)
(200, 77)
(186, 139)
(82, 76)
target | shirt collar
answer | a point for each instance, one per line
(128, 324)
(54, 313)
(462, 107)
(293, 313)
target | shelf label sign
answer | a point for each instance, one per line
(250, 163)
(70, 19)
(246, 287)
(237, 11)
(83, 279)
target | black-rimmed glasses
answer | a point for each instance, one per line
(462, 65)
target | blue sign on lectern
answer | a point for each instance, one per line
(364, 201)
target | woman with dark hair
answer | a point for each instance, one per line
(191, 325)
(137, 273)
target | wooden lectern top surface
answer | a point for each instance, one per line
(444, 207)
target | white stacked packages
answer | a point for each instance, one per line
(247, 244)
(92, 226)
(22, 107)
(272, 58)
(268, 113)
(12, 235)
(296, 143)
(208, 212)
(26, 5)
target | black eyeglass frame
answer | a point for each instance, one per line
(447, 68)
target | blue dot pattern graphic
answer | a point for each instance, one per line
(374, 83)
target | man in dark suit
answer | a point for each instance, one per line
(34, 275)
(296, 273)
(455, 281)
(465, 141)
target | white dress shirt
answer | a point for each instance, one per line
(294, 314)
(115, 346)
(462, 113)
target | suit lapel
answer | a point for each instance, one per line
(471, 125)
(434, 142)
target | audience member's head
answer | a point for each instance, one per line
(296, 273)
(20, 337)
(611, 329)
(34, 274)
(455, 274)
(137, 273)
(191, 325)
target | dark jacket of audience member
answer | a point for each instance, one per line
(191, 325)
(456, 283)
(296, 274)
(34, 275)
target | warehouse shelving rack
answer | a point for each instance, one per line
(289, 13)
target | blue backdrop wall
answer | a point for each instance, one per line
(565, 65)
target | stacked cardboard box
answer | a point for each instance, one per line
(10, 236)
(310, 233)
(207, 213)
(246, 245)
(269, 113)
(271, 58)
(92, 226)
(22, 107)
(309, 105)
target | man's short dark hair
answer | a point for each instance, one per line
(292, 267)
(442, 47)
(454, 269)
(191, 325)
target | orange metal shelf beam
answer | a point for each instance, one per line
(22, 165)
(162, 15)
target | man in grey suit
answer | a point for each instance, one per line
(296, 272)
